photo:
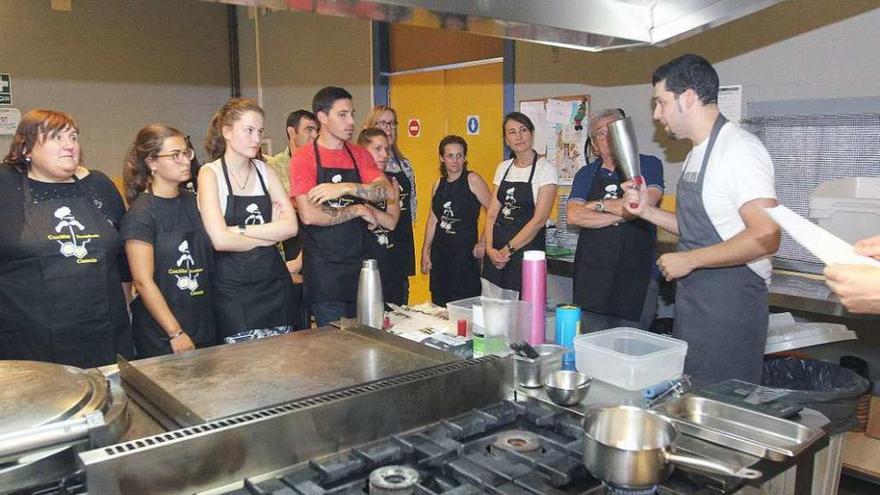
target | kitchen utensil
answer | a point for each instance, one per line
(630, 447)
(739, 428)
(534, 290)
(530, 372)
(626, 150)
(667, 388)
(370, 306)
(568, 326)
(525, 350)
(566, 388)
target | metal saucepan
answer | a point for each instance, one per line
(629, 447)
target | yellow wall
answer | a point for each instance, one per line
(442, 100)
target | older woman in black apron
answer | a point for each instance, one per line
(246, 213)
(169, 253)
(525, 188)
(61, 261)
(451, 231)
(387, 214)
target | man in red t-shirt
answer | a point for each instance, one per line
(330, 181)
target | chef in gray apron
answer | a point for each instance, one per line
(721, 301)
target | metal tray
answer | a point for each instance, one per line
(739, 428)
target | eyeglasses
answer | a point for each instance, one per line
(386, 124)
(177, 155)
(454, 156)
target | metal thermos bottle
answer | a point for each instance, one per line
(370, 305)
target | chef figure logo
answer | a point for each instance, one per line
(611, 191)
(255, 217)
(509, 204)
(404, 204)
(73, 247)
(448, 218)
(189, 281)
(338, 202)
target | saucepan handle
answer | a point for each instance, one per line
(718, 467)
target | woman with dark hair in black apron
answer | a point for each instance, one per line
(169, 253)
(61, 262)
(387, 214)
(451, 251)
(246, 213)
(525, 188)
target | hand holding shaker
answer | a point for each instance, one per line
(626, 150)
(370, 305)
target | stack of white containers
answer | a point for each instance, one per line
(629, 358)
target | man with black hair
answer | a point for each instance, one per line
(329, 181)
(722, 266)
(302, 129)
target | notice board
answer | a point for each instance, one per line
(561, 130)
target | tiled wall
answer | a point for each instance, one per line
(116, 66)
(795, 50)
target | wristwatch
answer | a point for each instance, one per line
(511, 248)
(242, 228)
(600, 206)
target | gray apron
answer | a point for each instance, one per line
(720, 312)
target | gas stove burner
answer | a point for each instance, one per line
(519, 441)
(615, 490)
(393, 480)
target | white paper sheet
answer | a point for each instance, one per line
(823, 244)
(535, 111)
(730, 102)
(558, 111)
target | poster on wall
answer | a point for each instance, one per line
(5, 89)
(561, 131)
(9, 119)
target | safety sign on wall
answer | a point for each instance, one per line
(5, 89)
(414, 127)
(473, 125)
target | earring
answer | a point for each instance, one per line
(27, 160)
(153, 171)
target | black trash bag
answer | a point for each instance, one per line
(826, 387)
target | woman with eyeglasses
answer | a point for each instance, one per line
(399, 168)
(451, 250)
(62, 268)
(525, 188)
(169, 253)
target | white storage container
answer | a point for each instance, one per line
(848, 208)
(629, 358)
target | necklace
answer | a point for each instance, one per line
(246, 179)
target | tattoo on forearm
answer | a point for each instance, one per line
(374, 192)
(338, 215)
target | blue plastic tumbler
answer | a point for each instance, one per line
(568, 326)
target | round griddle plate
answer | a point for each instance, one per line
(34, 393)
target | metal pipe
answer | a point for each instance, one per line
(234, 68)
(18, 442)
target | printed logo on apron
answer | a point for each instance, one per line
(187, 273)
(338, 202)
(447, 220)
(509, 204)
(255, 216)
(611, 191)
(71, 235)
(404, 197)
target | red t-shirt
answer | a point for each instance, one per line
(304, 173)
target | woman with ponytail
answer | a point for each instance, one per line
(246, 212)
(169, 253)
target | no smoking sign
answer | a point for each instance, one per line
(414, 128)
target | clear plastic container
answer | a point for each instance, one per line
(629, 358)
(463, 310)
(848, 208)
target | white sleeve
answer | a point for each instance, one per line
(499, 172)
(546, 174)
(750, 173)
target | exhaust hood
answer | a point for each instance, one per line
(592, 25)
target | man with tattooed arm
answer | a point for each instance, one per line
(330, 181)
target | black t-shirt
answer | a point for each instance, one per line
(100, 189)
(150, 215)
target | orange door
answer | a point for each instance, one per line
(442, 101)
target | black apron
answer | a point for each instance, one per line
(404, 249)
(68, 284)
(612, 265)
(291, 249)
(380, 248)
(332, 254)
(455, 273)
(252, 289)
(517, 208)
(720, 312)
(182, 260)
